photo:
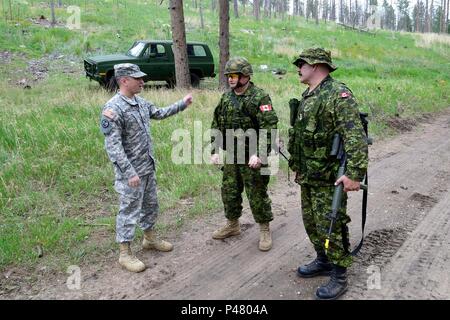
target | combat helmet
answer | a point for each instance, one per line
(238, 65)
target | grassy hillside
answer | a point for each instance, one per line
(56, 190)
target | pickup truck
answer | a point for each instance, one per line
(156, 59)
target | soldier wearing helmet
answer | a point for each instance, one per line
(244, 109)
(326, 107)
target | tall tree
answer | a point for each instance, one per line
(316, 11)
(446, 18)
(443, 21)
(52, 7)
(266, 5)
(301, 8)
(333, 10)
(200, 9)
(389, 16)
(224, 40)
(404, 20)
(419, 16)
(182, 75)
(244, 2)
(235, 9)
(256, 9)
(295, 4)
(325, 9)
(431, 13)
(436, 27)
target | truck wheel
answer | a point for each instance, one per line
(195, 80)
(110, 83)
(171, 83)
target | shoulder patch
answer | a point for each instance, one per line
(265, 107)
(345, 94)
(110, 114)
(105, 125)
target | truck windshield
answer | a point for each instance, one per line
(136, 49)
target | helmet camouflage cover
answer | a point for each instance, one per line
(238, 65)
(315, 56)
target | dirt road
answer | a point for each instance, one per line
(405, 256)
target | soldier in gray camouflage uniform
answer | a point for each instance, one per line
(244, 108)
(326, 107)
(125, 123)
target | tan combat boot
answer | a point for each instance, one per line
(232, 228)
(128, 261)
(265, 239)
(152, 242)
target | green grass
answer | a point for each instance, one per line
(56, 183)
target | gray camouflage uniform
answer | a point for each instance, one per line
(129, 146)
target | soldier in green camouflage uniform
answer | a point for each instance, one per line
(326, 107)
(244, 109)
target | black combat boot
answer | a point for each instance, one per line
(320, 266)
(337, 285)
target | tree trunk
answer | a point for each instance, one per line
(446, 16)
(179, 44)
(316, 11)
(52, 7)
(200, 8)
(333, 11)
(266, 8)
(235, 9)
(415, 16)
(430, 27)
(256, 9)
(224, 43)
(10, 10)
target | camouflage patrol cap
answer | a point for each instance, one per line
(129, 70)
(238, 65)
(315, 56)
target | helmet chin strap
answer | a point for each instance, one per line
(239, 84)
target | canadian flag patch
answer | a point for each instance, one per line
(345, 94)
(266, 107)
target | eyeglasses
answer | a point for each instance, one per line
(233, 75)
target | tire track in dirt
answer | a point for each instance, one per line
(420, 268)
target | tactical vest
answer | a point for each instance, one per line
(310, 142)
(239, 114)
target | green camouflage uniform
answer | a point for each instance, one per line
(255, 112)
(330, 108)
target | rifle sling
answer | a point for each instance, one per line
(363, 217)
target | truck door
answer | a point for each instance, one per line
(156, 62)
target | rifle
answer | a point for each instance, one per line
(337, 150)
